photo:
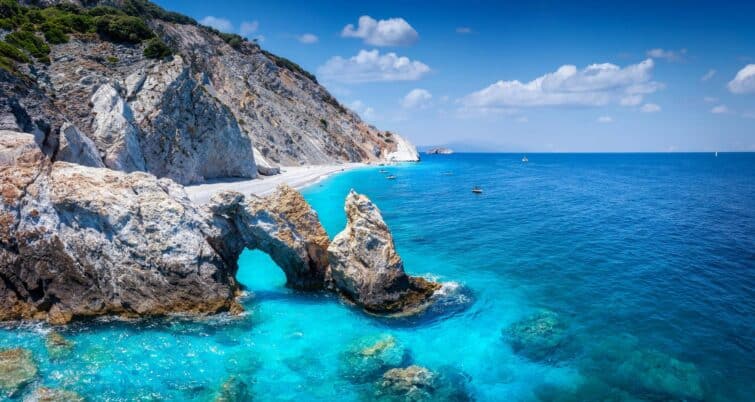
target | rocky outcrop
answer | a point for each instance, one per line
(44, 394)
(114, 131)
(281, 224)
(404, 150)
(77, 148)
(365, 267)
(78, 241)
(440, 151)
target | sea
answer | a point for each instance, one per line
(571, 277)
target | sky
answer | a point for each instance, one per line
(547, 76)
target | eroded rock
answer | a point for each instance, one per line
(281, 224)
(17, 368)
(233, 390)
(365, 267)
(57, 345)
(417, 383)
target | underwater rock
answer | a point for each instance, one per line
(367, 357)
(620, 362)
(44, 394)
(17, 368)
(417, 383)
(538, 336)
(366, 268)
(233, 390)
(58, 347)
(590, 389)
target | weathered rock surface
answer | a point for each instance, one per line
(17, 369)
(78, 241)
(417, 383)
(58, 346)
(404, 152)
(281, 224)
(233, 389)
(365, 267)
(77, 148)
(538, 336)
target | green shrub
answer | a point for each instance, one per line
(104, 10)
(112, 59)
(30, 42)
(122, 28)
(7, 64)
(283, 62)
(11, 52)
(156, 49)
(54, 35)
(6, 24)
(324, 123)
(9, 8)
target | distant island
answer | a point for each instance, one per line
(440, 151)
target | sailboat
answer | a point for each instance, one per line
(525, 160)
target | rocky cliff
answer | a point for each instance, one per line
(79, 241)
(126, 85)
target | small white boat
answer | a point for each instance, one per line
(383, 171)
(477, 190)
(525, 160)
(391, 177)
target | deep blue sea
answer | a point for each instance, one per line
(577, 277)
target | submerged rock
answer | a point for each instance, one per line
(233, 390)
(417, 383)
(643, 373)
(17, 368)
(58, 347)
(366, 358)
(366, 268)
(538, 336)
(44, 394)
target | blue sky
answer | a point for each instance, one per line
(540, 76)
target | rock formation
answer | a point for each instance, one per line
(78, 241)
(218, 106)
(368, 357)
(281, 224)
(365, 267)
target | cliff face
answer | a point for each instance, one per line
(214, 108)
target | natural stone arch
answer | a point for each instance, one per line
(282, 224)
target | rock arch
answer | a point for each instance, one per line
(282, 224)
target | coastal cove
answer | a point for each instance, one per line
(620, 257)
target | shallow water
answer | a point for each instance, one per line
(581, 277)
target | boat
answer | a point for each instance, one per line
(525, 160)
(383, 171)
(391, 177)
(716, 154)
(447, 173)
(477, 190)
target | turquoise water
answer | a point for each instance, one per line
(640, 268)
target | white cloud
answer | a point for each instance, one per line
(668, 55)
(710, 99)
(248, 27)
(605, 119)
(708, 75)
(364, 111)
(595, 85)
(371, 66)
(720, 109)
(307, 38)
(744, 81)
(390, 32)
(463, 30)
(650, 108)
(221, 24)
(416, 98)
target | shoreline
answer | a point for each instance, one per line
(297, 177)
